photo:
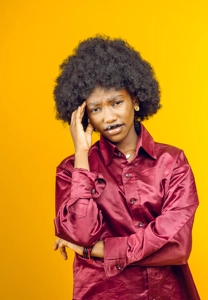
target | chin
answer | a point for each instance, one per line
(115, 139)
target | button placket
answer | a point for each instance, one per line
(93, 191)
(132, 201)
(140, 224)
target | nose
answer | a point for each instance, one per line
(109, 116)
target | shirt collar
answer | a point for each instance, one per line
(145, 141)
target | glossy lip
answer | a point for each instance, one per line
(114, 129)
(110, 127)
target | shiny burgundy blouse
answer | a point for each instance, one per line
(143, 210)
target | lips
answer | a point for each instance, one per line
(111, 127)
(114, 129)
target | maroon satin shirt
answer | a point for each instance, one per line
(143, 210)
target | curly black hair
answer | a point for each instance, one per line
(109, 63)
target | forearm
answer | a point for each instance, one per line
(151, 246)
(81, 160)
(98, 250)
(78, 218)
(80, 223)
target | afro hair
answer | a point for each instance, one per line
(109, 63)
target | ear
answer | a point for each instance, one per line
(135, 100)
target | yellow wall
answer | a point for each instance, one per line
(36, 36)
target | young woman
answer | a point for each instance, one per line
(126, 204)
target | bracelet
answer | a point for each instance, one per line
(87, 252)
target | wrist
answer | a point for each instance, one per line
(87, 252)
(81, 152)
(81, 160)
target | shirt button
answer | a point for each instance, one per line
(93, 191)
(140, 224)
(118, 267)
(132, 200)
(119, 154)
(127, 175)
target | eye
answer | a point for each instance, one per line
(116, 103)
(94, 110)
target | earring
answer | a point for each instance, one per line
(136, 107)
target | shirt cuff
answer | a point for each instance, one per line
(86, 184)
(115, 255)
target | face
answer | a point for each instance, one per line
(111, 112)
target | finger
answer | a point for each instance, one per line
(82, 108)
(73, 116)
(89, 129)
(83, 105)
(56, 244)
(76, 117)
(80, 113)
(63, 252)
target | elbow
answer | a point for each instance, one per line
(183, 258)
(182, 252)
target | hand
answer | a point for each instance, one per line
(82, 139)
(62, 244)
(97, 250)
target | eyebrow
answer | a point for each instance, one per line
(110, 99)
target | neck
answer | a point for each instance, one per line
(129, 144)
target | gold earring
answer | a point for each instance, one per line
(136, 107)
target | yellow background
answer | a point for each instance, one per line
(36, 36)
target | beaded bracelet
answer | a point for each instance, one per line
(87, 252)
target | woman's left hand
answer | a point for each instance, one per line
(97, 250)
(62, 245)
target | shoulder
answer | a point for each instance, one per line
(172, 151)
(170, 155)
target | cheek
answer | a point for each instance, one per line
(129, 113)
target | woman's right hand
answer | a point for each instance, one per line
(82, 139)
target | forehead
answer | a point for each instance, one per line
(101, 94)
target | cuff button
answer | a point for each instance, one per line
(119, 267)
(140, 224)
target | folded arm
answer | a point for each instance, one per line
(78, 218)
(167, 239)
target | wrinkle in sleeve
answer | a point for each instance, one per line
(78, 218)
(167, 240)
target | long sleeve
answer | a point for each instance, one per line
(78, 218)
(143, 210)
(167, 239)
